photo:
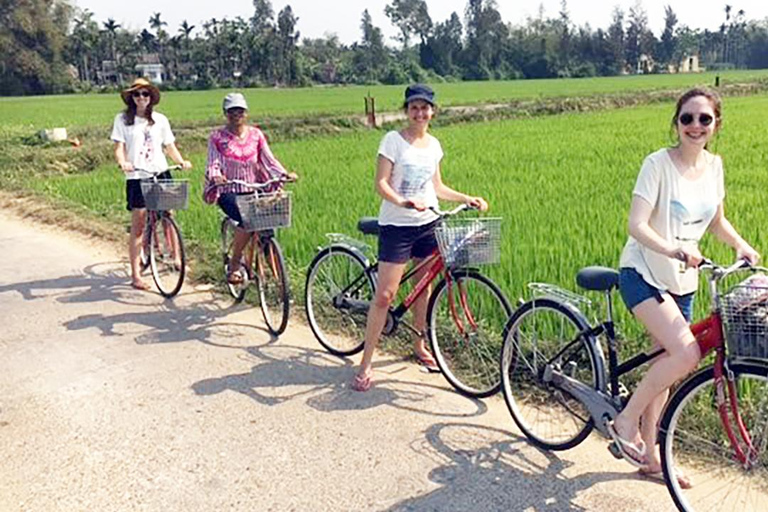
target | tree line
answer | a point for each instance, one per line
(48, 46)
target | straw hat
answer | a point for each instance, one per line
(142, 83)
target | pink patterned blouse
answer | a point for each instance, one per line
(248, 159)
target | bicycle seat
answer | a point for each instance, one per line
(368, 225)
(598, 279)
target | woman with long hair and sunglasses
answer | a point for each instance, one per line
(238, 151)
(677, 198)
(141, 137)
(409, 181)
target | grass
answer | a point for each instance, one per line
(561, 183)
(25, 115)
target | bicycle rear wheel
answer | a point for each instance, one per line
(272, 282)
(338, 294)
(166, 255)
(551, 418)
(465, 326)
(694, 442)
(237, 291)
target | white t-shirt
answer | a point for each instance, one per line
(411, 177)
(144, 143)
(682, 212)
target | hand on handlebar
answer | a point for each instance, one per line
(291, 177)
(748, 254)
(477, 202)
(689, 255)
(219, 180)
(126, 167)
(414, 204)
(185, 165)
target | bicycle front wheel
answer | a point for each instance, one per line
(272, 280)
(695, 443)
(166, 255)
(540, 329)
(465, 325)
(338, 294)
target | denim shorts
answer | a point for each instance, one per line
(398, 244)
(634, 290)
(228, 204)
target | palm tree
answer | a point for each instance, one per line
(110, 26)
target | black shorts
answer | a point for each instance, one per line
(133, 196)
(398, 244)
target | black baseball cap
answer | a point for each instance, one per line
(419, 92)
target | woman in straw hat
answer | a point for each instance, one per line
(141, 137)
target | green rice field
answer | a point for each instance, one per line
(27, 114)
(561, 183)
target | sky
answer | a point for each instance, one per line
(342, 17)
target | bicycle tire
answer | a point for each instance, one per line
(168, 263)
(693, 440)
(537, 331)
(272, 282)
(237, 291)
(466, 335)
(335, 268)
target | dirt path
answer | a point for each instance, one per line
(116, 400)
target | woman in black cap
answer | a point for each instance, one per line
(408, 180)
(140, 136)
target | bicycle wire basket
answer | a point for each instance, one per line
(165, 194)
(267, 211)
(744, 310)
(469, 241)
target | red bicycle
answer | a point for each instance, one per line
(715, 425)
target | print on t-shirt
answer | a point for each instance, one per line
(690, 219)
(147, 149)
(415, 178)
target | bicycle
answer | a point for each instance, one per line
(466, 310)
(164, 255)
(263, 260)
(715, 424)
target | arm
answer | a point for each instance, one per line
(640, 229)
(213, 165)
(446, 193)
(122, 162)
(384, 168)
(268, 161)
(726, 233)
(175, 155)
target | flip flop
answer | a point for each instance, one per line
(362, 383)
(428, 364)
(658, 476)
(235, 277)
(631, 452)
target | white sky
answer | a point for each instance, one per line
(342, 17)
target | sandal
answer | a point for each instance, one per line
(235, 276)
(362, 383)
(428, 363)
(631, 452)
(658, 476)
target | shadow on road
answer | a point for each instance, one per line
(289, 372)
(491, 469)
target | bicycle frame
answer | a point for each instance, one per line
(601, 405)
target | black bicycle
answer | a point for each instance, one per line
(162, 244)
(263, 260)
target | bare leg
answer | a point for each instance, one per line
(240, 241)
(138, 219)
(386, 289)
(420, 316)
(666, 324)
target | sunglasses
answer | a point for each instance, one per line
(704, 119)
(143, 94)
(235, 111)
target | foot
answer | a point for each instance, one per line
(632, 451)
(362, 382)
(656, 474)
(426, 360)
(235, 276)
(139, 284)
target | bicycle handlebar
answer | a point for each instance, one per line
(153, 174)
(718, 271)
(257, 186)
(443, 214)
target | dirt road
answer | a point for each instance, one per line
(117, 400)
